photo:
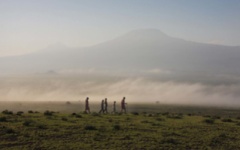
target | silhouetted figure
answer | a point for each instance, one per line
(114, 107)
(87, 108)
(102, 107)
(123, 105)
(106, 106)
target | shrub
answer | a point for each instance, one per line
(64, 119)
(9, 131)
(48, 113)
(28, 122)
(179, 116)
(218, 140)
(90, 127)
(95, 114)
(127, 137)
(216, 117)
(78, 116)
(209, 121)
(30, 112)
(3, 119)
(116, 127)
(170, 141)
(19, 113)
(135, 113)
(74, 114)
(68, 103)
(150, 115)
(227, 120)
(145, 121)
(102, 129)
(6, 112)
(156, 124)
(127, 119)
(207, 116)
(165, 113)
(160, 119)
(41, 126)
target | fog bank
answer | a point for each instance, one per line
(135, 89)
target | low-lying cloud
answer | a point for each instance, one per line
(135, 89)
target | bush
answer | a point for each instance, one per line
(160, 119)
(216, 117)
(170, 141)
(6, 112)
(102, 129)
(30, 112)
(209, 121)
(19, 113)
(3, 119)
(41, 126)
(145, 121)
(28, 122)
(127, 119)
(95, 114)
(68, 103)
(179, 116)
(165, 113)
(126, 137)
(74, 114)
(48, 113)
(207, 116)
(9, 131)
(90, 127)
(135, 113)
(78, 116)
(150, 115)
(116, 127)
(227, 120)
(64, 119)
(156, 124)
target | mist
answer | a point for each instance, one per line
(144, 65)
(137, 89)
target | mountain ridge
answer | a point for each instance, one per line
(139, 49)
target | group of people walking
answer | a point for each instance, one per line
(104, 106)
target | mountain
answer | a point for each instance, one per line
(145, 49)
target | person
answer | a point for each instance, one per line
(87, 108)
(114, 107)
(102, 107)
(123, 105)
(106, 106)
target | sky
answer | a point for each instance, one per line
(31, 25)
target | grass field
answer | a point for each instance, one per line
(134, 130)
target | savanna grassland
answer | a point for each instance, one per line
(134, 130)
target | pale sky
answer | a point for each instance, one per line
(31, 25)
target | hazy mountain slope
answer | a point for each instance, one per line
(139, 49)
